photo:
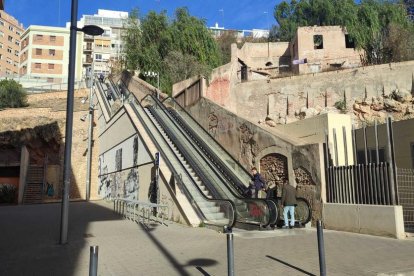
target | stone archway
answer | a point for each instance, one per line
(274, 168)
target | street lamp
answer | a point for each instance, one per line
(153, 75)
(89, 30)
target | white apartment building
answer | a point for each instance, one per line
(101, 50)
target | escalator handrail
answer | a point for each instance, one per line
(206, 132)
(209, 164)
(101, 91)
(178, 179)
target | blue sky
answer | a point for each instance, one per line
(233, 14)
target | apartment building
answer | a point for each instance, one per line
(10, 32)
(102, 50)
(45, 54)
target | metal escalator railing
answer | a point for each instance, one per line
(114, 88)
(250, 211)
(104, 98)
(201, 204)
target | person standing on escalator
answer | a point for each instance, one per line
(257, 182)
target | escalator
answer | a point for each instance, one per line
(250, 213)
(217, 212)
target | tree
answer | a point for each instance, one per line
(148, 44)
(12, 94)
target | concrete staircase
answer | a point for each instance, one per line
(34, 185)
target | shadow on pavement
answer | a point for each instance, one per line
(203, 272)
(197, 263)
(289, 265)
(29, 238)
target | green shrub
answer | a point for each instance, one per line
(8, 193)
(12, 94)
(341, 105)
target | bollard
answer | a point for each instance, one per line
(93, 261)
(230, 251)
(321, 248)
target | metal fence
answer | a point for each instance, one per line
(406, 196)
(361, 184)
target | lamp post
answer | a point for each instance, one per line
(90, 30)
(153, 75)
(90, 133)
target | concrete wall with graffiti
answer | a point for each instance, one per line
(120, 167)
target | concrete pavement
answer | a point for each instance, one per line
(29, 246)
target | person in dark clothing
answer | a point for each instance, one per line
(257, 182)
(101, 77)
(288, 204)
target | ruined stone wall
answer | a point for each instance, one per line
(286, 97)
(334, 51)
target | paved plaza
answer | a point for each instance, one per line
(29, 246)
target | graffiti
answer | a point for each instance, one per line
(255, 211)
(212, 124)
(114, 179)
(118, 160)
(274, 169)
(248, 146)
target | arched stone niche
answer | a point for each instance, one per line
(275, 164)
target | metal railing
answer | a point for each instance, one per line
(361, 184)
(54, 87)
(406, 196)
(140, 211)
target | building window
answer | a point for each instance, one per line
(349, 42)
(1, 56)
(16, 64)
(38, 37)
(52, 52)
(1, 23)
(9, 50)
(98, 56)
(17, 42)
(10, 38)
(1, 45)
(52, 38)
(9, 61)
(1, 34)
(16, 53)
(318, 42)
(18, 33)
(38, 65)
(38, 52)
(51, 66)
(11, 28)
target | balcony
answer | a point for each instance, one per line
(87, 60)
(87, 48)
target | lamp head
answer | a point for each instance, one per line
(92, 30)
